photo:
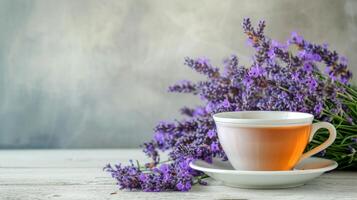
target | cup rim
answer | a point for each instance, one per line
(263, 117)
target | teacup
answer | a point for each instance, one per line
(268, 140)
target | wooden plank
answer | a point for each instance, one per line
(77, 174)
(88, 192)
(96, 158)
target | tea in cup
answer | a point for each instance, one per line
(268, 140)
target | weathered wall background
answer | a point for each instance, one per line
(82, 74)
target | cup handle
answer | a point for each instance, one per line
(332, 136)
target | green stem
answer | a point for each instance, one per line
(199, 178)
(347, 96)
(144, 168)
(348, 129)
(348, 137)
(326, 112)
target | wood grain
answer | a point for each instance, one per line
(77, 174)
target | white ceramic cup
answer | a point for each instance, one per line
(268, 140)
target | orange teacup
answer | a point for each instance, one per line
(268, 140)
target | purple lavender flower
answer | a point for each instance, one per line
(203, 66)
(336, 65)
(125, 176)
(296, 38)
(211, 133)
(199, 111)
(187, 111)
(215, 147)
(350, 120)
(225, 103)
(354, 140)
(150, 149)
(322, 153)
(277, 79)
(183, 87)
(318, 109)
(343, 60)
(256, 71)
(351, 149)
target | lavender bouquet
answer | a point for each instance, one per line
(282, 77)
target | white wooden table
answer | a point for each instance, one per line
(77, 174)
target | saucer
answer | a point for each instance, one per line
(305, 171)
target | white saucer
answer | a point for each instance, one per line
(305, 171)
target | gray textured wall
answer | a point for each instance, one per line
(95, 73)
